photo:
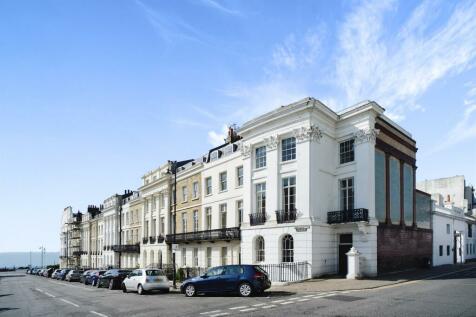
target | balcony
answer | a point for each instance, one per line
(225, 234)
(131, 248)
(145, 240)
(345, 216)
(286, 216)
(151, 240)
(258, 218)
(160, 238)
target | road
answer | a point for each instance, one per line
(450, 295)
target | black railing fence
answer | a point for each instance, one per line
(352, 215)
(132, 248)
(258, 218)
(207, 235)
(286, 216)
(287, 272)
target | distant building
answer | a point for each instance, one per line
(453, 222)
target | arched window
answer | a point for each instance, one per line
(259, 247)
(287, 248)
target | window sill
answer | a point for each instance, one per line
(288, 162)
(196, 198)
(346, 164)
(259, 169)
(223, 191)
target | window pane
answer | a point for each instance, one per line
(288, 149)
(260, 157)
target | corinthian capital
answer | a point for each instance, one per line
(366, 135)
(312, 133)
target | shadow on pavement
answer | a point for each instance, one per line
(2, 309)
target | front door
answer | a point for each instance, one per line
(345, 243)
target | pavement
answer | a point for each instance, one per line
(341, 284)
(443, 291)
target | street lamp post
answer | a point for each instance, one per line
(42, 249)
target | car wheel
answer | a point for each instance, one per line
(140, 290)
(111, 284)
(190, 290)
(245, 289)
(124, 288)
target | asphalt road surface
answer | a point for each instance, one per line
(452, 294)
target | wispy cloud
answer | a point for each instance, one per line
(219, 7)
(368, 59)
(465, 128)
(217, 138)
(396, 71)
(169, 27)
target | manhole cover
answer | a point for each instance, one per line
(344, 298)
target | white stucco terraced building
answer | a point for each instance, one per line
(300, 185)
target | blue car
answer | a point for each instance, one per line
(62, 275)
(245, 280)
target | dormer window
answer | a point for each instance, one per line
(214, 155)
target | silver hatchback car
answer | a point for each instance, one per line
(144, 280)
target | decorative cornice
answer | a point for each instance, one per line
(271, 142)
(312, 133)
(366, 135)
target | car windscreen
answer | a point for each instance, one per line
(154, 273)
(123, 271)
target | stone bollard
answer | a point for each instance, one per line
(353, 269)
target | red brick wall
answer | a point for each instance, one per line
(400, 248)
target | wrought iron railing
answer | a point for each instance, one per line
(132, 248)
(286, 216)
(258, 218)
(145, 240)
(152, 240)
(160, 238)
(352, 215)
(207, 235)
(287, 272)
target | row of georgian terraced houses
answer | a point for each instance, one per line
(300, 184)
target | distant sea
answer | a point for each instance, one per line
(16, 259)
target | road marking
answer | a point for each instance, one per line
(278, 301)
(304, 299)
(50, 295)
(39, 290)
(309, 295)
(219, 314)
(68, 302)
(257, 305)
(294, 298)
(286, 303)
(248, 309)
(96, 313)
(210, 312)
(237, 307)
(268, 306)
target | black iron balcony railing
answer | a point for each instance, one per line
(352, 215)
(160, 238)
(151, 240)
(132, 248)
(258, 218)
(207, 235)
(145, 240)
(286, 216)
(79, 253)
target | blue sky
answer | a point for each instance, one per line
(93, 94)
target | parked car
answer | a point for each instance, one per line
(246, 280)
(82, 278)
(40, 272)
(93, 277)
(112, 278)
(145, 280)
(62, 275)
(73, 275)
(53, 275)
(48, 272)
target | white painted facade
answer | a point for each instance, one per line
(318, 132)
(155, 197)
(131, 232)
(110, 218)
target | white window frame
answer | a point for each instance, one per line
(288, 153)
(260, 161)
(223, 181)
(344, 200)
(239, 178)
